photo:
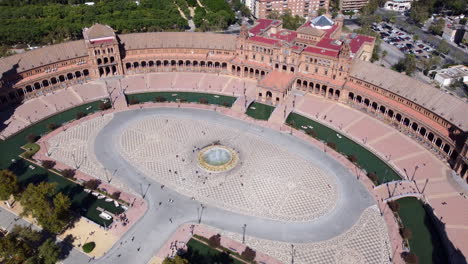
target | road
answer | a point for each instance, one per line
(154, 228)
(8, 220)
(456, 54)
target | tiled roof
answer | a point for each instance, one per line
(43, 56)
(447, 106)
(286, 35)
(99, 31)
(357, 41)
(178, 40)
(311, 31)
(328, 43)
(264, 40)
(262, 24)
(320, 51)
(277, 81)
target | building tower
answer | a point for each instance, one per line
(103, 51)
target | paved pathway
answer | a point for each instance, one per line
(155, 227)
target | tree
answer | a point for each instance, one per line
(437, 27)
(410, 258)
(175, 260)
(8, 184)
(134, 101)
(80, 115)
(160, 99)
(291, 22)
(92, 184)
(31, 138)
(419, 11)
(215, 241)
(68, 173)
(49, 252)
(104, 106)
(51, 126)
(373, 177)
(51, 210)
(321, 11)
(394, 206)
(415, 37)
(115, 195)
(352, 158)
(88, 247)
(443, 47)
(406, 233)
(203, 101)
(384, 54)
(248, 254)
(407, 64)
(274, 15)
(13, 250)
(462, 21)
(48, 164)
(331, 145)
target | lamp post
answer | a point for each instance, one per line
(243, 233)
(293, 252)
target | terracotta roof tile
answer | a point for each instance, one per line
(178, 40)
(447, 106)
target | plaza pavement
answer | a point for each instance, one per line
(155, 227)
(448, 200)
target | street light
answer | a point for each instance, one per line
(243, 233)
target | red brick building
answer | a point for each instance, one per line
(316, 59)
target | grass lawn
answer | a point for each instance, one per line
(366, 159)
(11, 148)
(187, 96)
(199, 253)
(260, 111)
(425, 242)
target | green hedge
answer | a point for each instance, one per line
(88, 247)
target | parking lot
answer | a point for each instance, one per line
(402, 40)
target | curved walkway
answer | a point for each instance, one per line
(155, 226)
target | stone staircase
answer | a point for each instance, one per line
(116, 94)
(241, 104)
(282, 110)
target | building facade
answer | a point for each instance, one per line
(316, 59)
(303, 8)
(350, 5)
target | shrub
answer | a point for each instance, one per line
(28, 155)
(373, 177)
(48, 164)
(31, 138)
(92, 184)
(68, 173)
(203, 101)
(88, 247)
(311, 132)
(104, 106)
(406, 233)
(410, 258)
(225, 104)
(215, 241)
(51, 126)
(394, 206)
(160, 99)
(248, 254)
(331, 145)
(115, 195)
(134, 101)
(80, 115)
(352, 158)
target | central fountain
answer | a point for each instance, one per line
(217, 158)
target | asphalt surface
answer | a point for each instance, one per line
(154, 228)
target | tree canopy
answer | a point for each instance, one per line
(8, 184)
(52, 21)
(289, 21)
(25, 245)
(50, 209)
